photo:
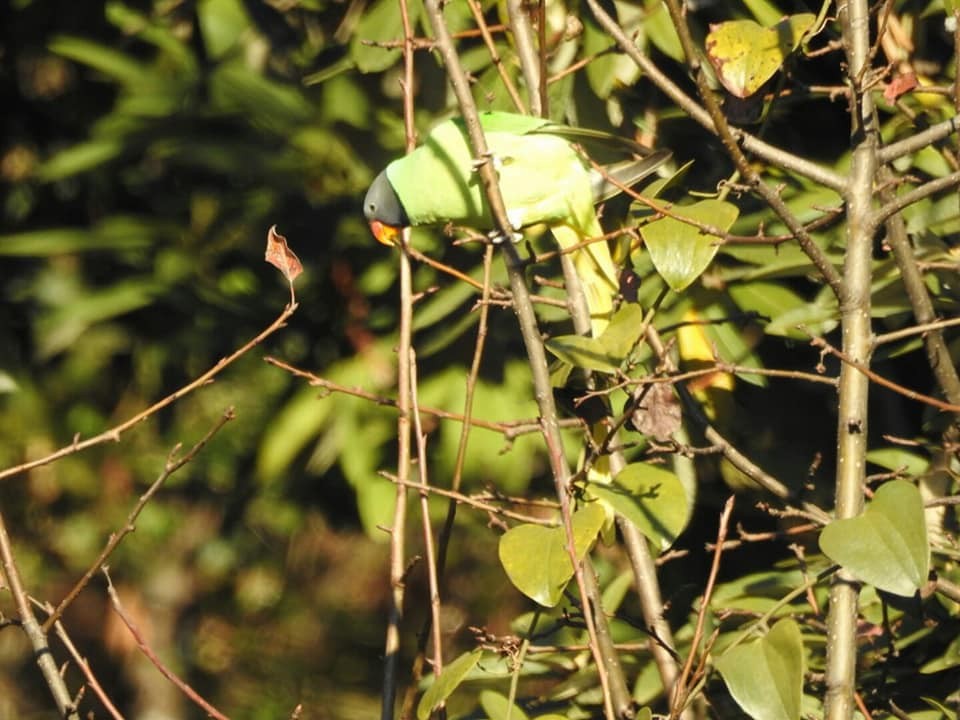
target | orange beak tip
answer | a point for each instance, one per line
(386, 234)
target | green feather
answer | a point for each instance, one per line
(543, 178)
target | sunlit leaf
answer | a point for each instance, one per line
(623, 332)
(79, 158)
(443, 686)
(536, 560)
(222, 22)
(681, 251)
(110, 61)
(746, 55)
(765, 676)
(585, 352)
(893, 458)
(887, 545)
(651, 498)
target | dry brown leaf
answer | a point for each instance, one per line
(281, 256)
(659, 413)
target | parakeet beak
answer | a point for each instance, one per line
(387, 234)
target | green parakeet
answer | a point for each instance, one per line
(543, 177)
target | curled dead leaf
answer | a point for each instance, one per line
(281, 256)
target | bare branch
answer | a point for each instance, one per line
(33, 630)
(172, 465)
(114, 433)
(145, 648)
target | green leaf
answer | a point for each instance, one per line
(498, 707)
(535, 558)
(662, 33)
(609, 70)
(764, 11)
(585, 352)
(623, 331)
(79, 158)
(380, 21)
(443, 686)
(114, 63)
(158, 33)
(650, 497)
(222, 24)
(887, 545)
(899, 459)
(746, 55)
(765, 676)
(60, 328)
(680, 251)
(769, 300)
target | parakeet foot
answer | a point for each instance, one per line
(497, 237)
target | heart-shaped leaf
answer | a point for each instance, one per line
(887, 545)
(651, 498)
(681, 251)
(443, 686)
(535, 558)
(765, 676)
(746, 55)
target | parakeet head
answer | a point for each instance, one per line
(384, 211)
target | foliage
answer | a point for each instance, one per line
(148, 147)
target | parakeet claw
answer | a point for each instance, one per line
(496, 237)
(479, 162)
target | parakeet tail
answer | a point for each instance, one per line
(598, 275)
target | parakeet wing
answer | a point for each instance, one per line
(538, 172)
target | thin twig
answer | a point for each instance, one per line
(398, 529)
(114, 433)
(681, 692)
(495, 55)
(459, 498)
(511, 429)
(84, 667)
(880, 380)
(31, 628)
(770, 153)
(428, 544)
(920, 140)
(526, 53)
(171, 466)
(145, 648)
(907, 199)
(919, 329)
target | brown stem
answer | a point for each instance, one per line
(114, 433)
(170, 467)
(33, 631)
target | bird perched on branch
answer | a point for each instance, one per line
(544, 177)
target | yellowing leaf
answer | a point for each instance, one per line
(697, 349)
(746, 55)
(536, 560)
